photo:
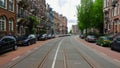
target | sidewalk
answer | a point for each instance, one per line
(105, 50)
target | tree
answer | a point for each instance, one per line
(84, 14)
(98, 15)
(90, 15)
(32, 24)
(70, 32)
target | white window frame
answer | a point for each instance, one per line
(10, 25)
(2, 23)
(10, 5)
(5, 5)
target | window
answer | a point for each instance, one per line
(10, 25)
(3, 3)
(115, 11)
(11, 5)
(2, 23)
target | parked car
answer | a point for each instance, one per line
(115, 45)
(23, 40)
(103, 41)
(33, 38)
(7, 43)
(53, 36)
(81, 36)
(91, 38)
(26, 40)
(49, 36)
(42, 37)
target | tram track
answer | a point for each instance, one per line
(64, 58)
(39, 65)
(83, 57)
(42, 60)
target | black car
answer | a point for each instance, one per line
(115, 45)
(33, 38)
(26, 40)
(49, 36)
(23, 40)
(42, 37)
(7, 43)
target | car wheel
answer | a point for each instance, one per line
(28, 43)
(112, 48)
(15, 47)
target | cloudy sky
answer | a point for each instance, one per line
(66, 8)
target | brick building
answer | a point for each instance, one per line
(111, 11)
(75, 29)
(60, 23)
(7, 17)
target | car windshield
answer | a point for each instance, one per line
(91, 36)
(31, 36)
(105, 38)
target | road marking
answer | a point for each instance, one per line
(55, 57)
(116, 60)
(15, 58)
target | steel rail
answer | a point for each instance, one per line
(44, 58)
(64, 58)
(39, 65)
(82, 56)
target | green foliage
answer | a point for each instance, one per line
(33, 23)
(90, 15)
(70, 32)
(34, 19)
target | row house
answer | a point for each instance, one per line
(22, 14)
(60, 24)
(50, 17)
(7, 17)
(111, 11)
(75, 29)
(27, 9)
(63, 20)
(56, 23)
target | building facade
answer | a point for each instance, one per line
(7, 17)
(75, 29)
(27, 9)
(111, 11)
(60, 24)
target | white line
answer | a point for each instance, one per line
(15, 58)
(116, 60)
(54, 61)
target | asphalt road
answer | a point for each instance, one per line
(63, 52)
